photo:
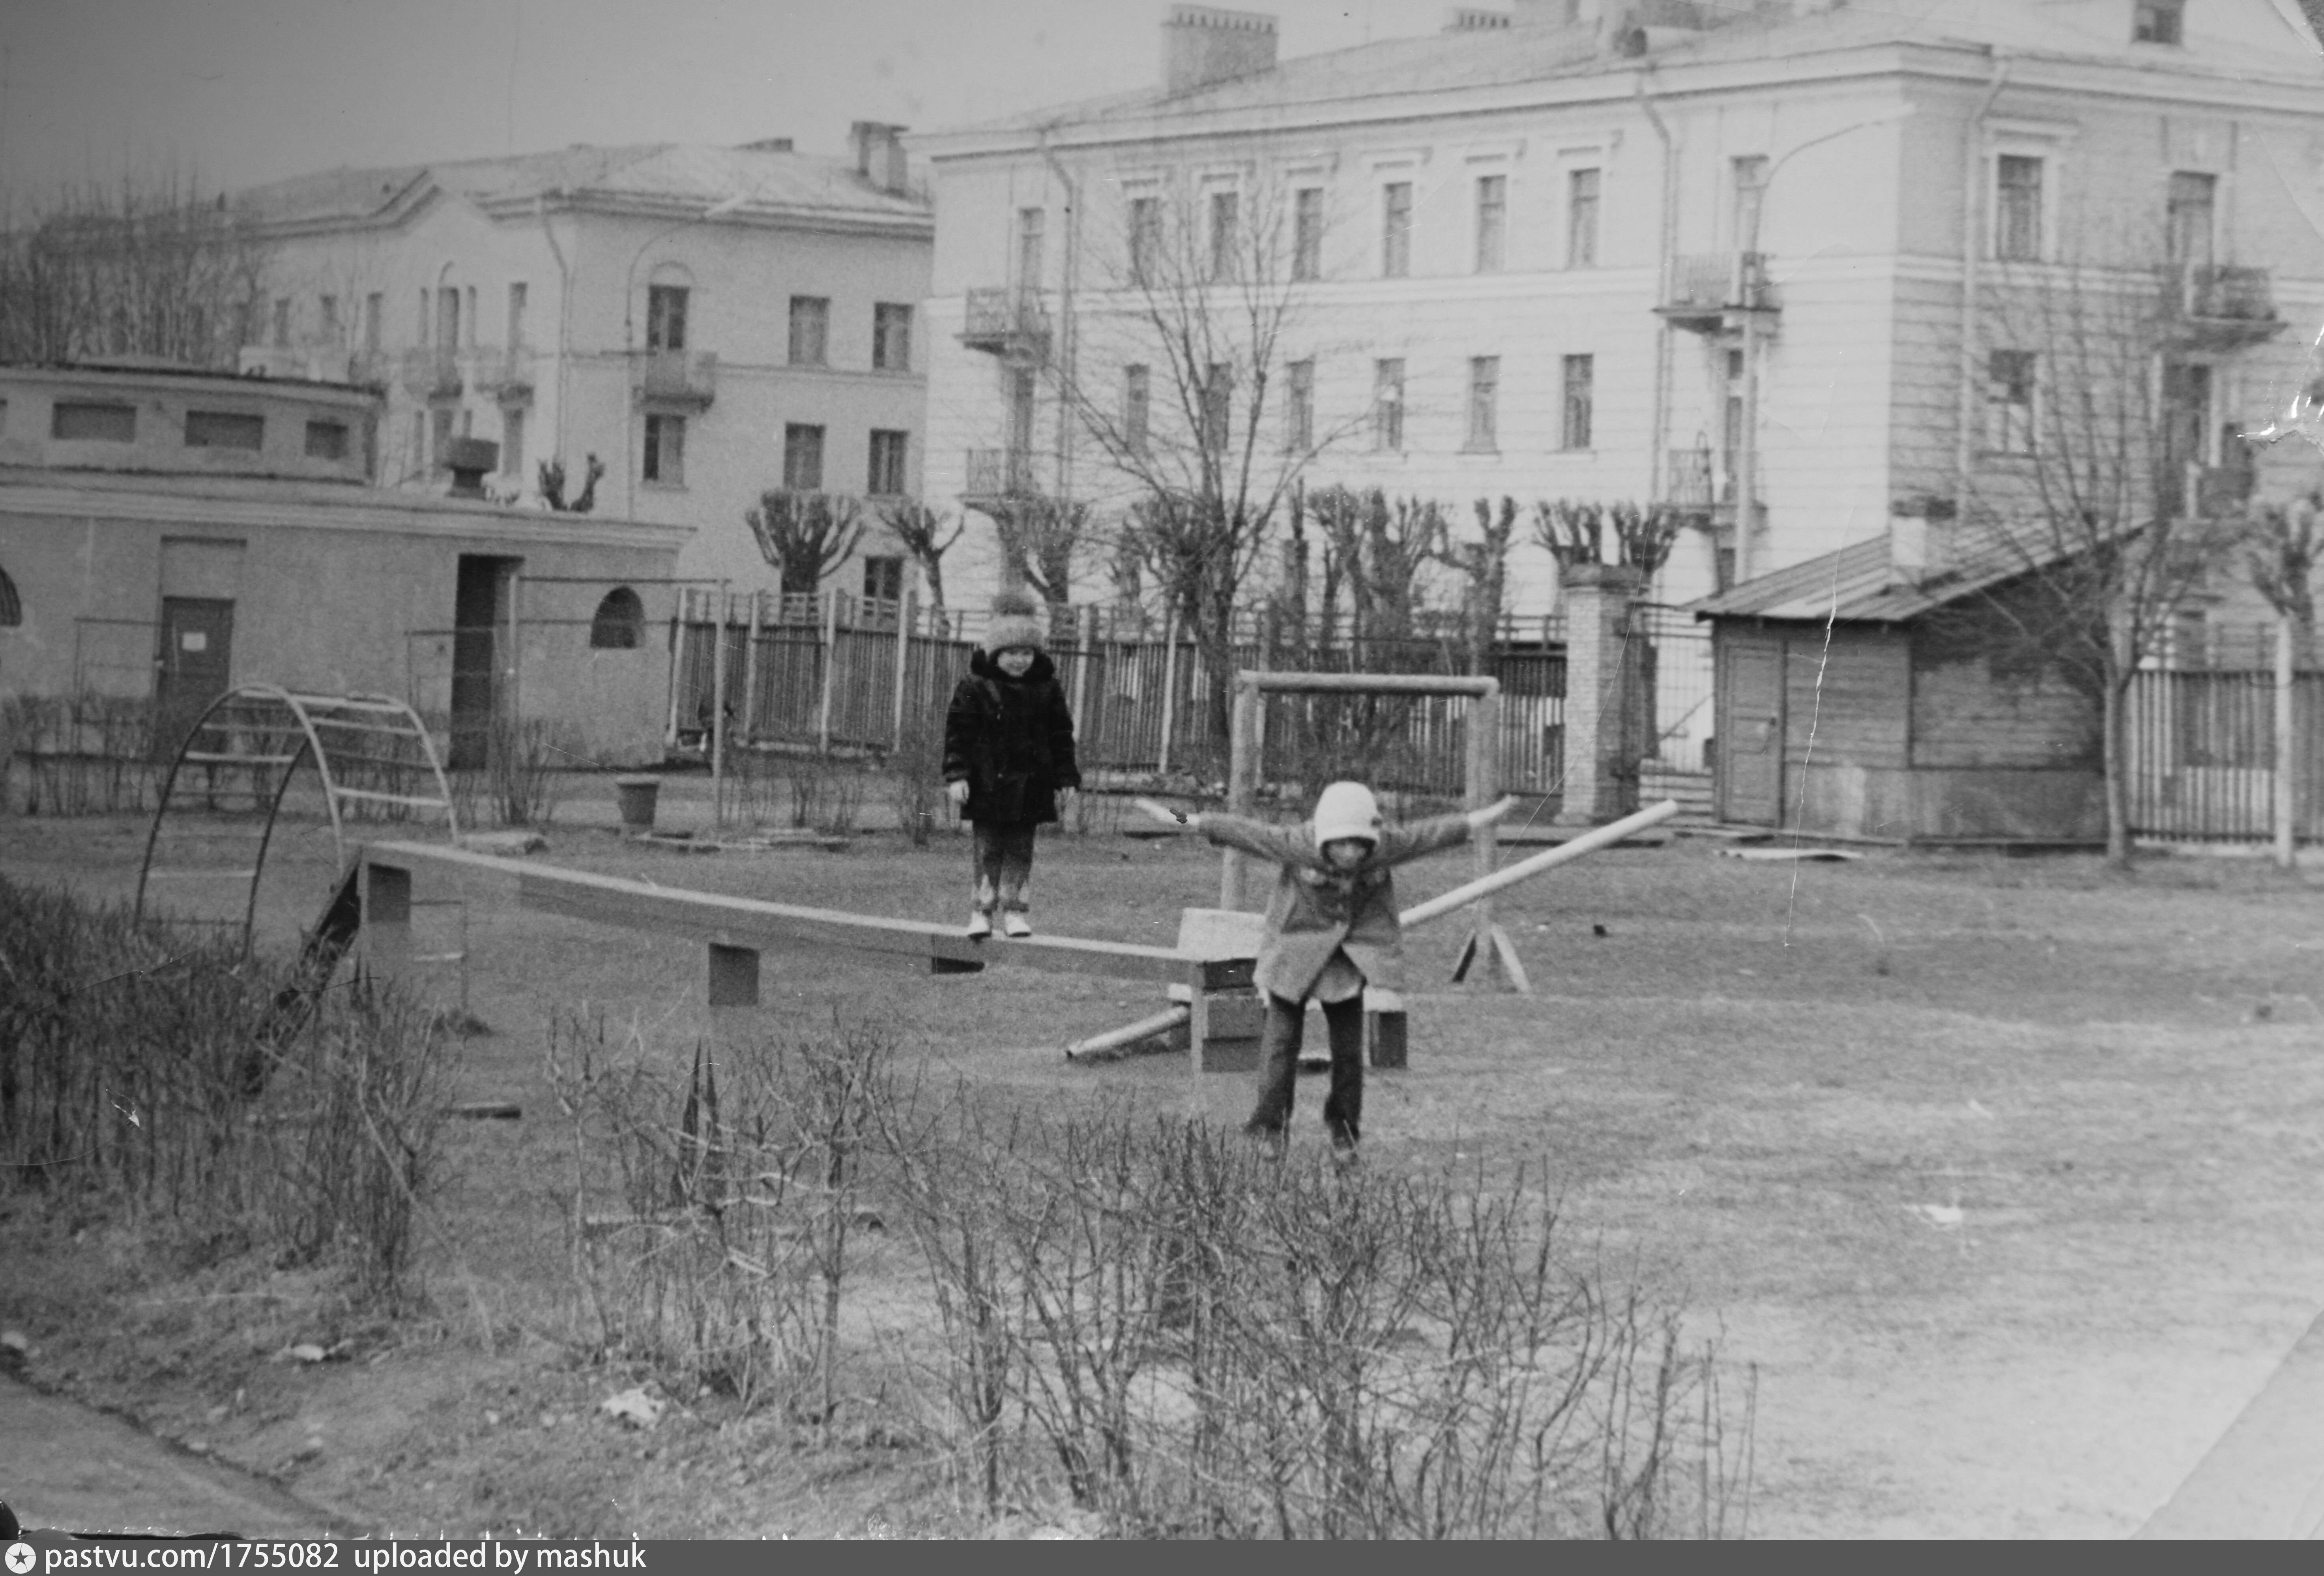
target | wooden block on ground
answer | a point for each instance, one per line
(1383, 1028)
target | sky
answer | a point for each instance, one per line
(234, 92)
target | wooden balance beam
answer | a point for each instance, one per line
(736, 930)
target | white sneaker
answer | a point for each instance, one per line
(1016, 924)
(980, 925)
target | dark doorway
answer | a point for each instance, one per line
(1750, 733)
(480, 606)
(195, 664)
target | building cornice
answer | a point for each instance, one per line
(446, 518)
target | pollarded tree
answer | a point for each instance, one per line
(806, 535)
(921, 532)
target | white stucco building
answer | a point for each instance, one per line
(709, 322)
(1737, 258)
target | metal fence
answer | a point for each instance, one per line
(2201, 751)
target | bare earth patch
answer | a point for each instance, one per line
(1997, 1172)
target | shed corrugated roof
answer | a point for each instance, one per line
(1860, 584)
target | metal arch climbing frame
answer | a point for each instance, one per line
(313, 715)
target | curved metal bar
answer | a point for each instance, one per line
(265, 838)
(428, 748)
(170, 784)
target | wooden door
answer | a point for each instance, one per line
(195, 664)
(1751, 782)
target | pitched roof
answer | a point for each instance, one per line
(1860, 584)
(688, 174)
(1510, 56)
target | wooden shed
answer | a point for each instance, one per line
(1860, 698)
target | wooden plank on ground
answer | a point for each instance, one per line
(2265, 1477)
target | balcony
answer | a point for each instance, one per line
(687, 378)
(2205, 492)
(998, 475)
(2218, 308)
(1711, 291)
(432, 374)
(502, 373)
(1690, 481)
(1008, 323)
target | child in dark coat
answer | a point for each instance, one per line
(1008, 754)
(1332, 929)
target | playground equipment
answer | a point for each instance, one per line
(1383, 1017)
(231, 772)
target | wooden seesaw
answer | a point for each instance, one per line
(1383, 1017)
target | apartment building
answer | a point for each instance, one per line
(709, 322)
(1740, 259)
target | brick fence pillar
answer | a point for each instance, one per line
(1601, 782)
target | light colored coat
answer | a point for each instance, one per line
(1317, 910)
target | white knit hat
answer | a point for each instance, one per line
(1015, 622)
(1347, 809)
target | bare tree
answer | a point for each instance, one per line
(552, 487)
(1483, 567)
(1181, 382)
(806, 535)
(2088, 492)
(152, 267)
(921, 532)
(1040, 536)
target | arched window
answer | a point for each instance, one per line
(12, 612)
(620, 621)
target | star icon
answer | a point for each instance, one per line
(21, 1559)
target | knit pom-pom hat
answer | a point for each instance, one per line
(1015, 622)
(1347, 809)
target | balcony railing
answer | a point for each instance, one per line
(2205, 492)
(1000, 473)
(2220, 308)
(504, 372)
(1689, 479)
(675, 377)
(1707, 287)
(1006, 321)
(432, 373)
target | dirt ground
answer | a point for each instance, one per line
(1997, 1173)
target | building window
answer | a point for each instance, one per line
(447, 319)
(666, 317)
(517, 292)
(1217, 406)
(892, 336)
(1493, 222)
(1307, 232)
(619, 623)
(2156, 22)
(889, 450)
(1582, 218)
(1396, 229)
(224, 429)
(2017, 208)
(282, 322)
(810, 330)
(1581, 372)
(11, 610)
(1484, 404)
(330, 315)
(1145, 238)
(1388, 405)
(2188, 211)
(665, 460)
(883, 579)
(1299, 407)
(1136, 397)
(1031, 224)
(513, 442)
(1749, 176)
(802, 458)
(84, 422)
(375, 310)
(2009, 401)
(1226, 217)
(326, 440)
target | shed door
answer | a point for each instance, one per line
(1751, 733)
(196, 659)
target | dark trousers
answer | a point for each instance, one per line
(1004, 865)
(1278, 1066)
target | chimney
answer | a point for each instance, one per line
(880, 154)
(470, 460)
(1919, 539)
(1201, 45)
(1469, 19)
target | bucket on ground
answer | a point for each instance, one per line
(638, 796)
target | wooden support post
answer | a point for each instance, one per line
(723, 611)
(1085, 636)
(676, 661)
(387, 920)
(830, 668)
(908, 613)
(1384, 1040)
(2287, 754)
(1485, 959)
(1243, 779)
(733, 975)
(1169, 690)
(751, 664)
